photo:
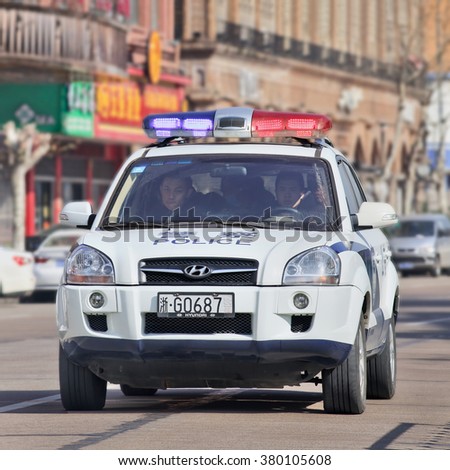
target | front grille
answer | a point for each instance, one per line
(241, 324)
(300, 323)
(224, 272)
(97, 322)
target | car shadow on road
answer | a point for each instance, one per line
(221, 401)
(173, 401)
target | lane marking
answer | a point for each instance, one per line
(26, 404)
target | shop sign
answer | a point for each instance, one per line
(154, 56)
(37, 103)
(78, 117)
(118, 111)
(121, 106)
(119, 103)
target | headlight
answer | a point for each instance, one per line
(317, 266)
(427, 250)
(86, 265)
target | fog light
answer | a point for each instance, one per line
(97, 300)
(301, 301)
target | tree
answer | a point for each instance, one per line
(430, 27)
(411, 72)
(439, 118)
(23, 148)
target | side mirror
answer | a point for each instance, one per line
(77, 214)
(376, 215)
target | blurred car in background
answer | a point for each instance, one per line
(50, 256)
(33, 241)
(16, 273)
(421, 243)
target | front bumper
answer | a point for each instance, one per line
(115, 343)
(205, 363)
(414, 263)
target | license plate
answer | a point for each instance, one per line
(195, 305)
(405, 265)
(60, 262)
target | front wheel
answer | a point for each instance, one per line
(436, 271)
(382, 369)
(345, 386)
(81, 389)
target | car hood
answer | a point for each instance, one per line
(271, 248)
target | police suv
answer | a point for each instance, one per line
(220, 260)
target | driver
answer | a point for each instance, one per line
(289, 190)
(291, 193)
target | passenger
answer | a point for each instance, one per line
(246, 195)
(231, 188)
(255, 198)
(177, 196)
(175, 191)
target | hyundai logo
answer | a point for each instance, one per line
(197, 271)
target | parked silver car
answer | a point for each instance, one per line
(50, 256)
(421, 243)
(16, 273)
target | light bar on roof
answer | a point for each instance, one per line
(236, 122)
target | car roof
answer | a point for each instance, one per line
(318, 150)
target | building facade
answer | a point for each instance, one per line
(344, 58)
(87, 71)
(437, 54)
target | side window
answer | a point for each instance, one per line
(353, 192)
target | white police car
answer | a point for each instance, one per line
(230, 264)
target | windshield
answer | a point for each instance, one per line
(413, 228)
(63, 240)
(249, 190)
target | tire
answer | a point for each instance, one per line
(137, 392)
(437, 268)
(382, 369)
(81, 389)
(345, 386)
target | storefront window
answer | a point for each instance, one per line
(44, 205)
